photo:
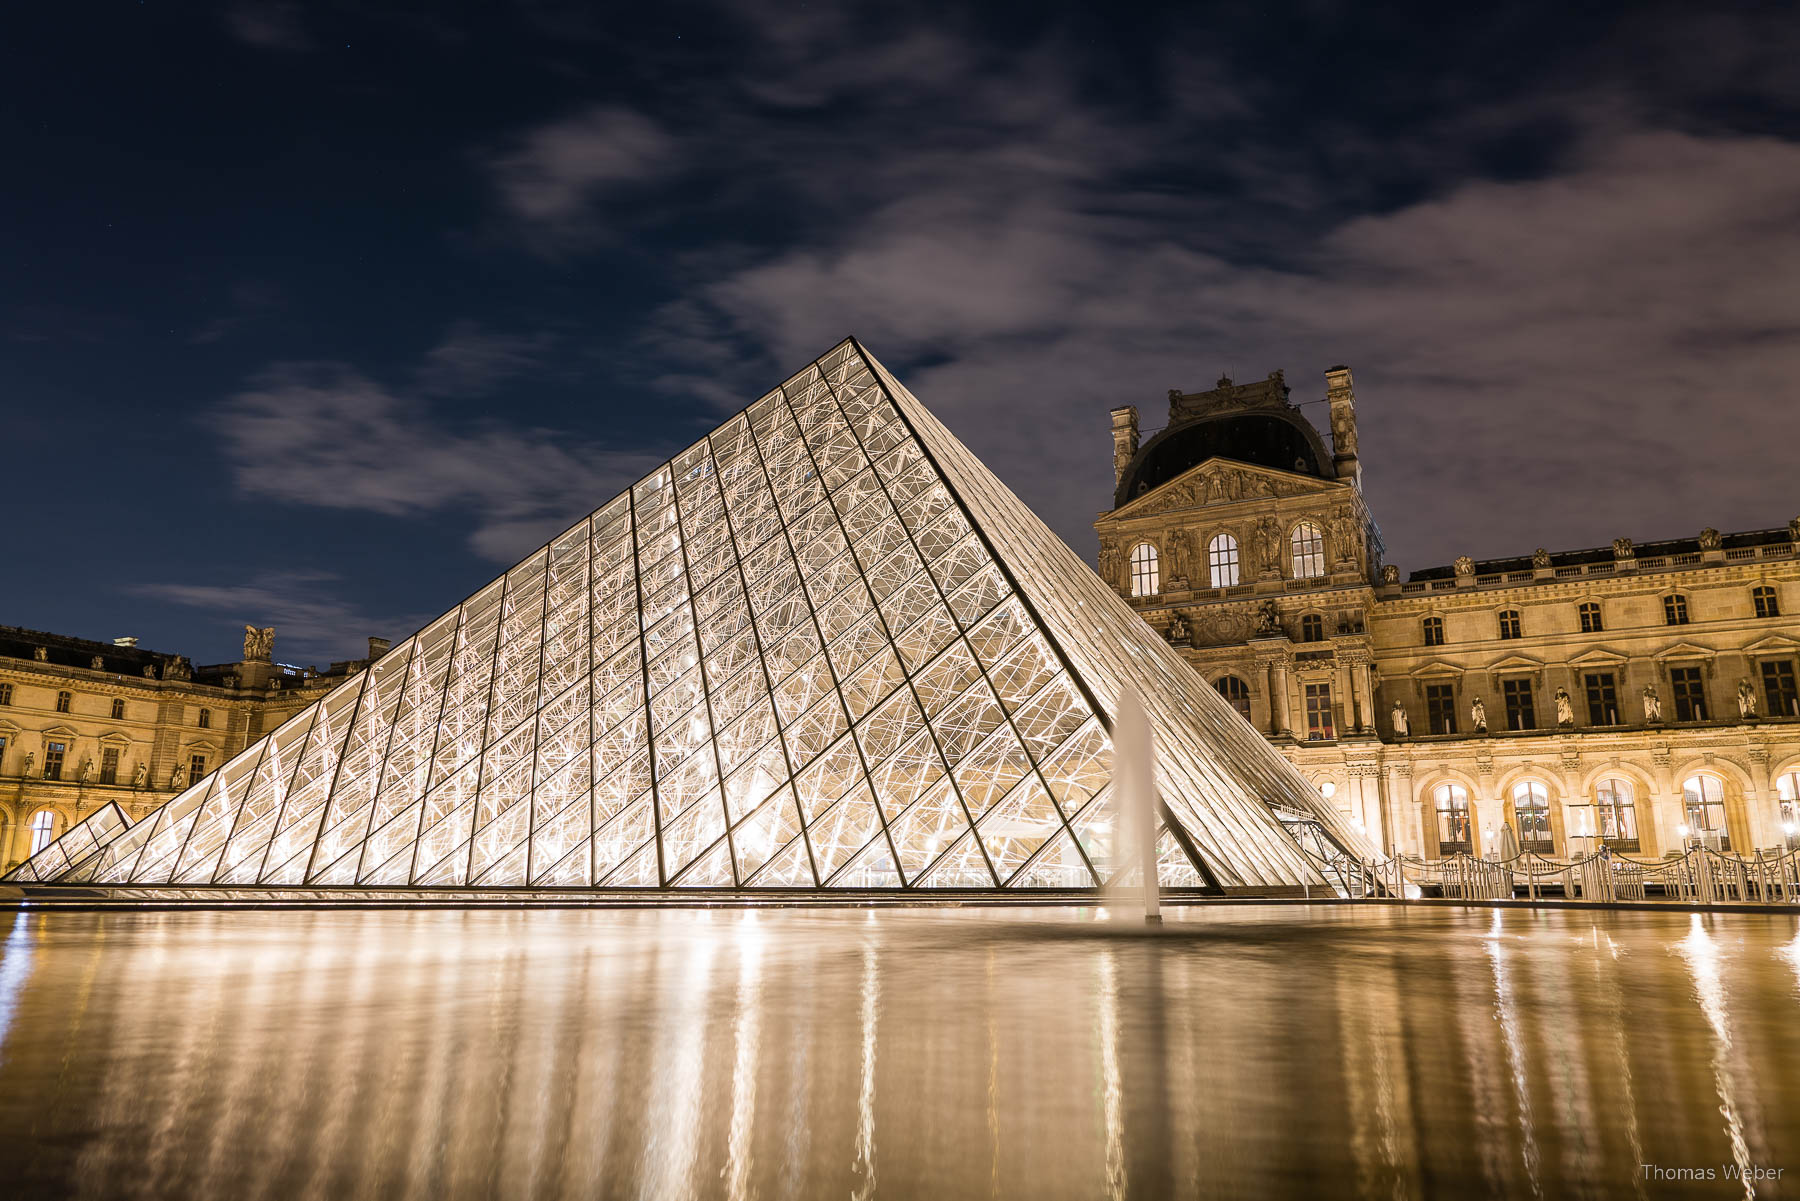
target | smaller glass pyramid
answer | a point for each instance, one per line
(822, 648)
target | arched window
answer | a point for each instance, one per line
(1509, 623)
(1616, 816)
(1237, 692)
(118, 708)
(1454, 827)
(1434, 631)
(1144, 581)
(62, 702)
(1307, 545)
(1675, 610)
(1703, 797)
(43, 824)
(205, 718)
(1787, 789)
(1763, 597)
(1531, 805)
(1590, 617)
(1222, 561)
(1312, 628)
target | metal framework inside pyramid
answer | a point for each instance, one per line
(823, 648)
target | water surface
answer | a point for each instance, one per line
(1245, 1051)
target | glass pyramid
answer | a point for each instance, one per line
(822, 648)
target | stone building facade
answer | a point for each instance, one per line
(83, 723)
(1638, 695)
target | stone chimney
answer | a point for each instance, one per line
(1125, 439)
(1340, 391)
(378, 647)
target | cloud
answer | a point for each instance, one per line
(312, 625)
(553, 176)
(471, 361)
(328, 436)
(268, 25)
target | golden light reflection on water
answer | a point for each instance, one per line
(1267, 1051)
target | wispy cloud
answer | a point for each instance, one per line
(552, 179)
(471, 361)
(268, 25)
(313, 624)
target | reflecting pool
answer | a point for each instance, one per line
(1241, 1051)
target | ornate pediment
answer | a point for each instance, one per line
(1599, 656)
(1684, 650)
(1224, 481)
(1774, 644)
(1516, 663)
(1435, 667)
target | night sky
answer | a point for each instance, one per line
(320, 315)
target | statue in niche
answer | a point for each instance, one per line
(30, 758)
(1268, 620)
(1390, 574)
(1400, 730)
(1478, 716)
(141, 776)
(1540, 558)
(1652, 704)
(1464, 565)
(1624, 548)
(1178, 629)
(1268, 545)
(1343, 533)
(1710, 539)
(1746, 698)
(1565, 708)
(1178, 556)
(259, 644)
(1111, 562)
(178, 777)
(86, 769)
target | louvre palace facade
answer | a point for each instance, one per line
(84, 723)
(1642, 696)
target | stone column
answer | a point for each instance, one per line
(1278, 692)
(1365, 695)
(1761, 810)
(1666, 806)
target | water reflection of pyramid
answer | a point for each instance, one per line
(824, 647)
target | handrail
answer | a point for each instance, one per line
(1700, 875)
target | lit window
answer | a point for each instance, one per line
(1237, 692)
(1509, 623)
(1703, 797)
(1618, 816)
(1318, 713)
(1307, 544)
(1531, 806)
(1434, 631)
(1690, 693)
(1312, 628)
(1602, 699)
(1454, 827)
(1590, 617)
(1787, 788)
(1763, 597)
(1440, 708)
(1144, 580)
(205, 718)
(1521, 712)
(43, 822)
(1675, 610)
(1779, 691)
(63, 700)
(1222, 561)
(109, 765)
(53, 759)
(118, 708)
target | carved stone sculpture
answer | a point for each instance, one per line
(1540, 558)
(1478, 716)
(141, 776)
(178, 777)
(259, 643)
(1268, 620)
(1464, 565)
(1178, 629)
(41, 654)
(1710, 539)
(1652, 704)
(149, 671)
(1794, 529)
(1623, 548)
(178, 668)
(30, 758)
(96, 664)
(1268, 545)
(1400, 730)
(1565, 708)
(1746, 698)
(85, 770)
(1390, 574)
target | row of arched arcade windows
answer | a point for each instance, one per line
(1224, 560)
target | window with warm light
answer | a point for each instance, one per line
(1144, 580)
(1531, 806)
(1307, 547)
(1616, 814)
(1787, 790)
(1453, 824)
(1222, 561)
(43, 827)
(1703, 799)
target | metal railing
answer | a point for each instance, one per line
(1700, 876)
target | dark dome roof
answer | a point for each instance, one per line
(1280, 439)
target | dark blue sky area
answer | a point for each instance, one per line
(320, 315)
